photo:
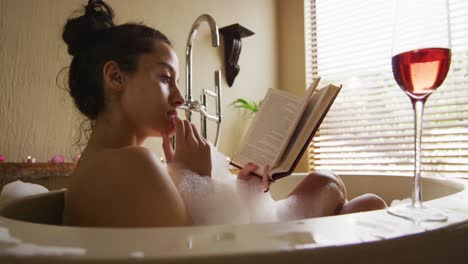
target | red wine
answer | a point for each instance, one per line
(420, 72)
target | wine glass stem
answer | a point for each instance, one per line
(418, 107)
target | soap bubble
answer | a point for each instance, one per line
(222, 199)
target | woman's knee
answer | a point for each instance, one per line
(324, 201)
(363, 203)
(317, 195)
(317, 180)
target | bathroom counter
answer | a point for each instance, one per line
(370, 237)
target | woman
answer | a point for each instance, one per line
(124, 79)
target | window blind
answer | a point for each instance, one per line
(369, 129)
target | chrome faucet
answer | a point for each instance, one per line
(200, 105)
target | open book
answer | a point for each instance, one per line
(283, 128)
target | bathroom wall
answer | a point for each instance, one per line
(292, 57)
(37, 117)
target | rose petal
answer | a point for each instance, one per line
(58, 159)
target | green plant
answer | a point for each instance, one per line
(244, 104)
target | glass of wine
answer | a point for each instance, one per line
(420, 60)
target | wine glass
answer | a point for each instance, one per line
(420, 61)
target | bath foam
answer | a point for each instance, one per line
(6, 238)
(222, 199)
(399, 202)
(18, 189)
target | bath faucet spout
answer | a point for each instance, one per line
(189, 49)
(200, 106)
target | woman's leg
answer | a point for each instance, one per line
(318, 194)
(365, 202)
(323, 193)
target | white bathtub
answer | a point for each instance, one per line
(372, 237)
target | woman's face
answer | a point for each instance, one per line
(151, 94)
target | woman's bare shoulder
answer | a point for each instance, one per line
(130, 179)
(123, 161)
(129, 155)
(137, 167)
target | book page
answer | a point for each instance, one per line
(297, 119)
(270, 128)
(310, 119)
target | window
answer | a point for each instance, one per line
(369, 129)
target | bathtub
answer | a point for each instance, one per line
(29, 233)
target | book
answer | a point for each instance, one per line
(283, 128)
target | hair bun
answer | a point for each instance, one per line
(79, 32)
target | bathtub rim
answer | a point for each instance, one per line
(461, 185)
(284, 226)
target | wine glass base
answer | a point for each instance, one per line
(422, 213)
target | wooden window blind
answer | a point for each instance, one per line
(369, 129)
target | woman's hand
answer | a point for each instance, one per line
(192, 151)
(246, 173)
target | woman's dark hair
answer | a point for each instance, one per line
(93, 39)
